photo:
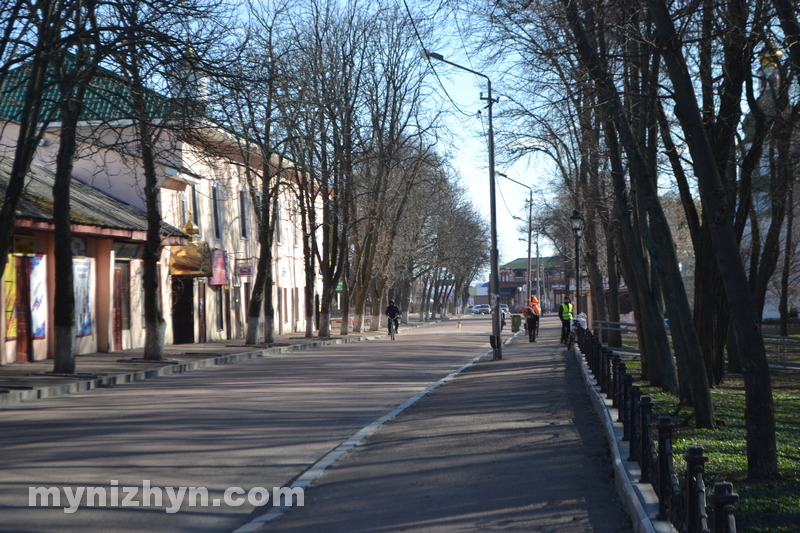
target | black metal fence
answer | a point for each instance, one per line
(681, 501)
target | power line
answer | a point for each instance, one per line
(430, 63)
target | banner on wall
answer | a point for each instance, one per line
(219, 268)
(23, 244)
(81, 270)
(38, 280)
(191, 260)
(10, 295)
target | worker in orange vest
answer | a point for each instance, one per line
(532, 312)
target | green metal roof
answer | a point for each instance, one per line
(88, 205)
(546, 263)
(108, 98)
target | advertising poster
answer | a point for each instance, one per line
(10, 296)
(219, 267)
(81, 269)
(38, 297)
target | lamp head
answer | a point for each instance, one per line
(427, 54)
(577, 223)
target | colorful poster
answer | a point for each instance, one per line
(219, 268)
(10, 296)
(81, 270)
(38, 279)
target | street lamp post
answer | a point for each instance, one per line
(494, 340)
(577, 227)
(530, 225)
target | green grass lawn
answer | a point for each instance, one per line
(762, 508)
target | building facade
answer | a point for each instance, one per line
(201, 190)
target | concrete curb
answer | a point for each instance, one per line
(84, 385)
(13, 397)
(639, 499)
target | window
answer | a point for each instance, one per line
(196, 210)
(243, 212)
(184, 208)
(215, 210)
(220, 309)
(278, 220)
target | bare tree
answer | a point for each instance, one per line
(31, 34)
(759, 415)
(73, 65)
(158, 42)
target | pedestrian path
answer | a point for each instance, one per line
(510, 444)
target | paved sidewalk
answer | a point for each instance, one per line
(512, 444)
(21, 382)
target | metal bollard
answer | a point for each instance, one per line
(616, 382)
(646, 408)
(665, 463)
(627, 384)
(601, 373)
(608, 369)
(724, 499)
(695, 464)
(635, 440)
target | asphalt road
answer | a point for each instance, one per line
(255, 424)
(509, 444)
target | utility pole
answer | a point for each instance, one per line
(494, 279)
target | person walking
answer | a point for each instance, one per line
(532, 312)
(565, 314)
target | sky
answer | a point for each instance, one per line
(470, 154)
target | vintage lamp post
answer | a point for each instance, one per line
(577, 227)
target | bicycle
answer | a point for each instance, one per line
(392, 327)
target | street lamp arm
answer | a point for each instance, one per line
(439, 57)
(512, 179)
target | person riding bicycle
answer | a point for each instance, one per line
(393, 312)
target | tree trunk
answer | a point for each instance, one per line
(64, 308)
(787, 260)
(612, 338)
(155, 326)
(263, 269)
(269, 305)
(308, 291)
(664, 253)
(345, 328)
(654, 345)
(759, 412)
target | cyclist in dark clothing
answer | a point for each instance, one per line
(393, 312)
